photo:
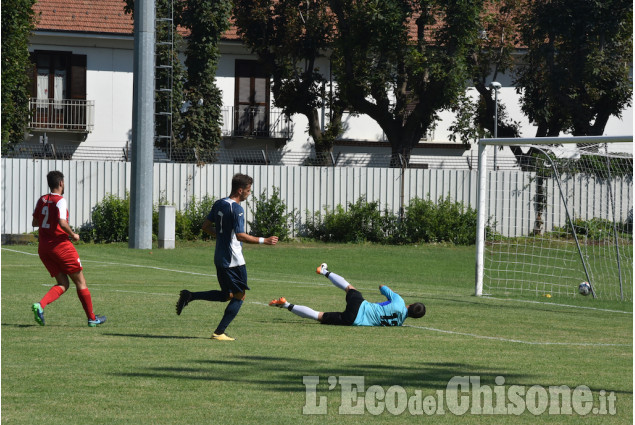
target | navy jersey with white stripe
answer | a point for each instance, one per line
(229, 219)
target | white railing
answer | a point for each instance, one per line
(250, 121)
(70, 115)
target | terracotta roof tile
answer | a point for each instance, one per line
(92, 16)
(98, 16)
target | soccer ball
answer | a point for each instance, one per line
(584, 288)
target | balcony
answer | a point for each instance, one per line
(66, 115)
(255, 122)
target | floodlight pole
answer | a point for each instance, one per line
(142, 158)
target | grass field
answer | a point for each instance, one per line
(148, 366)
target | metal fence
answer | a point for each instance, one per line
(304, 190)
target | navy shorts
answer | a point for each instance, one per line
(232, 279)
(354, 299)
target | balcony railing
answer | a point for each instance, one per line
(259, 122)
(68, 115)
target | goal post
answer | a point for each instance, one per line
(557, 213)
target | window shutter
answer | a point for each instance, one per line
(78, 77)
(32, 74)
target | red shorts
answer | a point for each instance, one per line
(61, 258)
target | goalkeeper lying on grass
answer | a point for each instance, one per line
(358, 312)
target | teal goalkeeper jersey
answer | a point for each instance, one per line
(392, 312)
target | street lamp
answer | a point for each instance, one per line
(495, 85)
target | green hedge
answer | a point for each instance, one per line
(424, 221)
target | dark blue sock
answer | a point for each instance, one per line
(210, 296)
(230, 312)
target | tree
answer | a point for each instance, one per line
(400, 61)
(197, 102)
(18, 21)
(491, 57)
(290, 37)
(576, 71)
(207, 22)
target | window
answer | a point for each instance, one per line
(58, 89)
(251, 104)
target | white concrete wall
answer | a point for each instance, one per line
(109, 84)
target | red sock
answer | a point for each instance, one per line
(54, 293)
(87, 303)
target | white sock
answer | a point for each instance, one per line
(305, 312)
(338, 281)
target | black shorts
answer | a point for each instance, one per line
(232, 279)
(354, 299)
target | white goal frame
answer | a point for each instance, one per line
(482, 200)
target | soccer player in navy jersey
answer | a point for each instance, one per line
(358, 312)
(226, 221)
(57, 252)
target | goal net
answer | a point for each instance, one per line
(558, 214)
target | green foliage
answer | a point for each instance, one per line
(17, 23)
(269, 216)
(196, 122)
(360, 223)
(445, 221)
(289, 42)
(196, 212)
(402, 62)
(110, 220)
(200, 130)
(424, 221)
(576, 73)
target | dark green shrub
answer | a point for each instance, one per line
(423, 222)
(445, 221)
(196, 212)
(362, 222)
(86, 232)
(269, 215)
(110, 219)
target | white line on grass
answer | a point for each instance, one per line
(410, 326)
(584, 344)
(559, 305)
(519, 341)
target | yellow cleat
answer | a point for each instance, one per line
(222, 337)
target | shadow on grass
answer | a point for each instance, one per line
(286, 373)
(21, 325)
(150, 336)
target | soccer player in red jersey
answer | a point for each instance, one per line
(57, 252)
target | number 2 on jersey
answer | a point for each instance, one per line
(45, 213)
